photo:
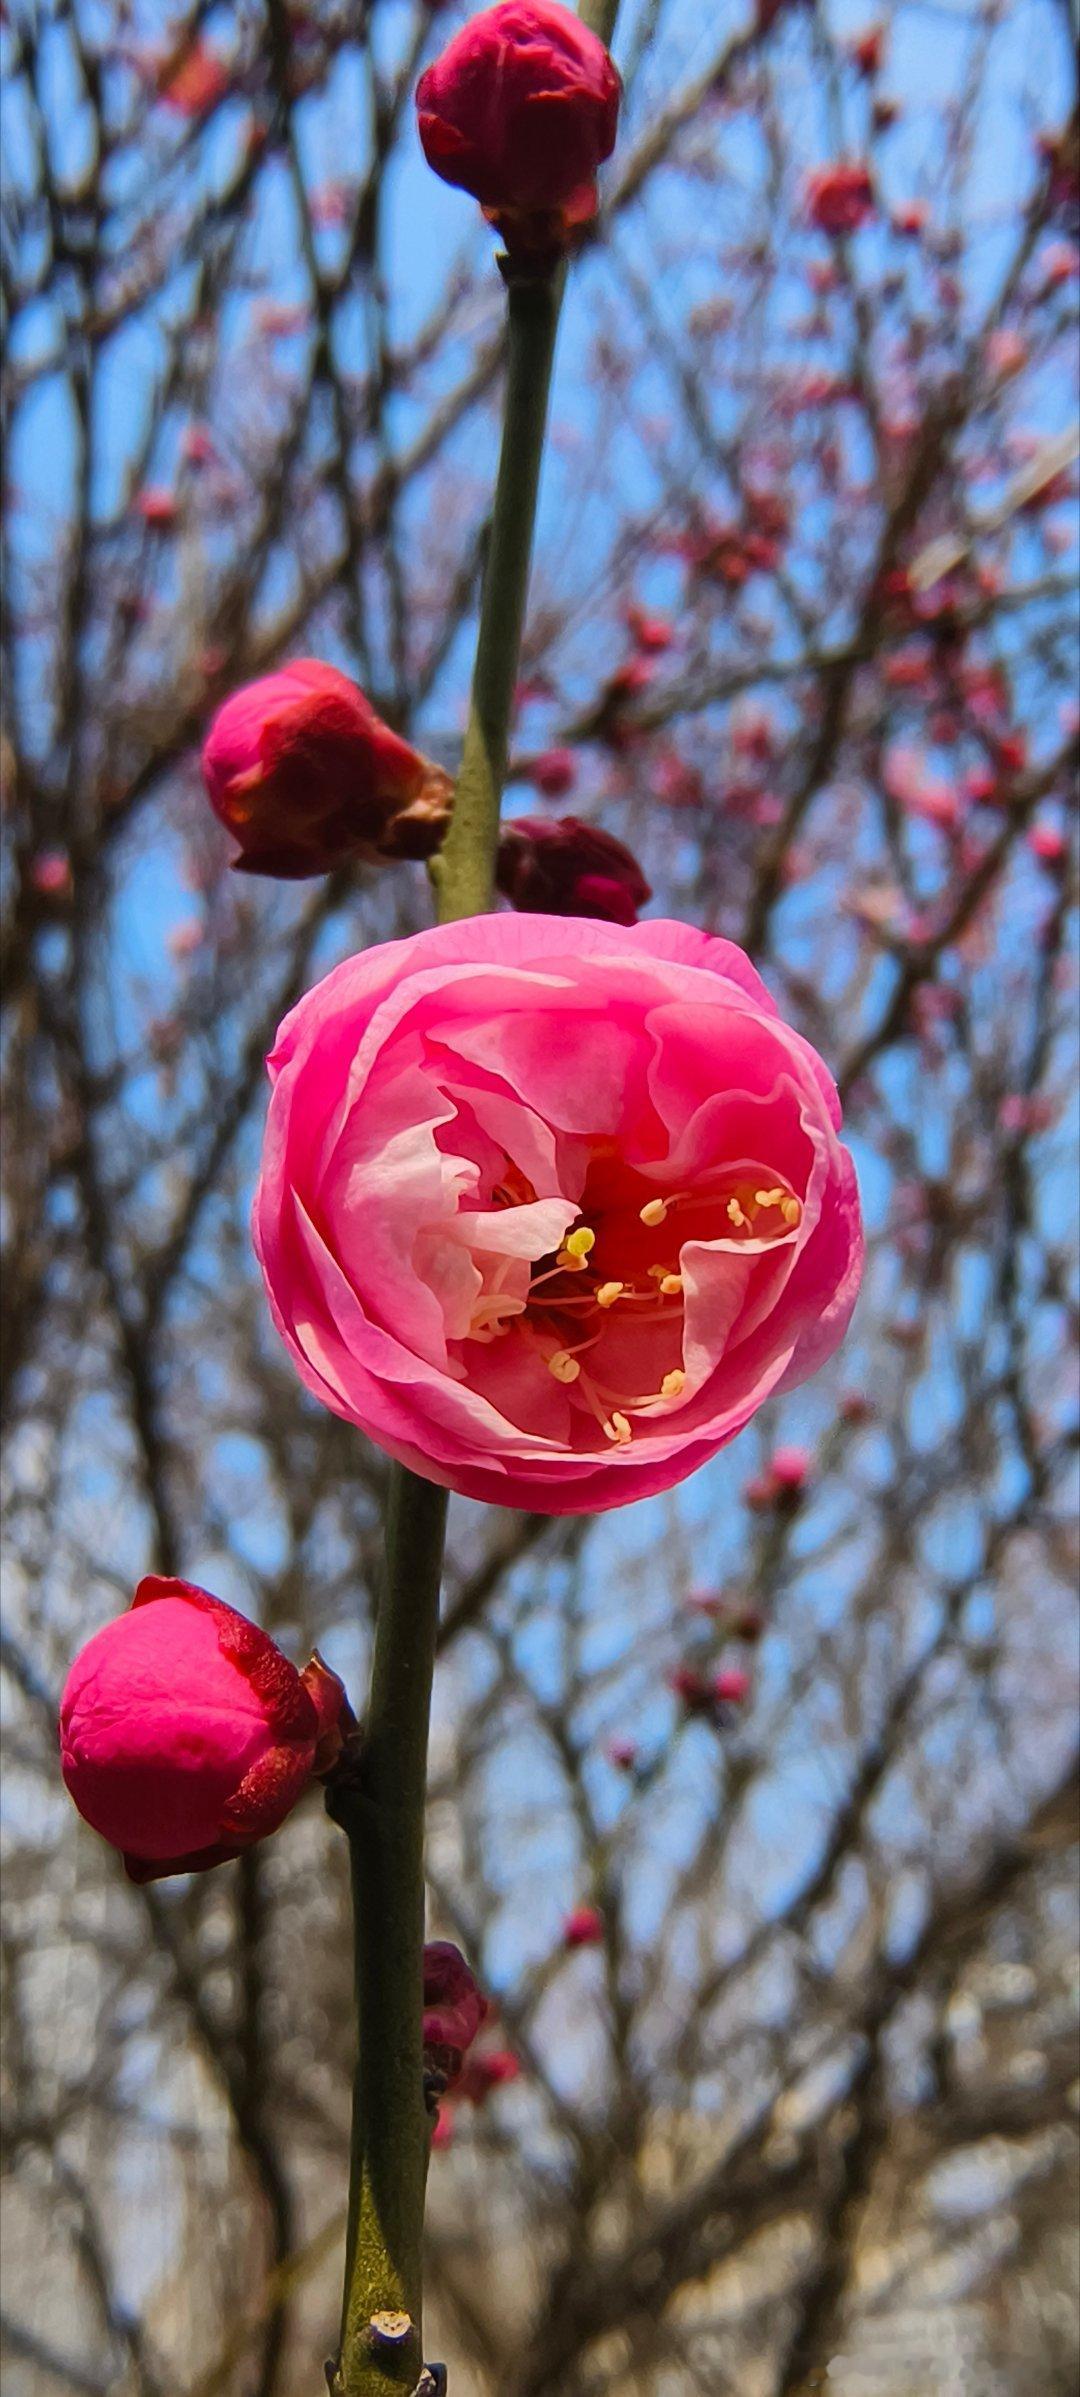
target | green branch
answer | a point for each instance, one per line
(464, 871)
(384, 1817)
(382, 1809)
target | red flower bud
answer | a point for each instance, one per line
(1060, 263)
(554, 772)
(1046, 841)
(731, 1687)
(839, 198)
(454, 2008)
(186, 1735)
(653, 634)
(50, 874)
(567, 868)
(157, 507)
(520, 110)
(584, 1928)
(791, 1467)
(784, 1478)
(306, 777)
(867, 50)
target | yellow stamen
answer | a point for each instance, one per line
(564, 1367)
(791, 1210)
(735, 1214)
(654, 1213)
(608, 1293)
(672, 1384)
(768, 1198)
(670, 1285)
(579, 1243)
(569, 1262)
(618, 1430)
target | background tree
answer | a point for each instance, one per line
(787, 1977)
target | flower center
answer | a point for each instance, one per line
(606, 1309)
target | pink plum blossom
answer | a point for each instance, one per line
(550, 1209)
(186, 1735)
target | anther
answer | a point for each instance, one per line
(670, 1285)
(617, 1429)
(735, 1214)
(791, 1210)
(654, 1213)
(564, 1367)
(608, 1293)
(579, 1242)
(672, 1384)
(570, 1262)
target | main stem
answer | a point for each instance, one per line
(383, 1813)
(464, 871)
(384, 1819)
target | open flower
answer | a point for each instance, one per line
(520, 110)
(306, 777)
(549, 1209)
(186, 1735)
